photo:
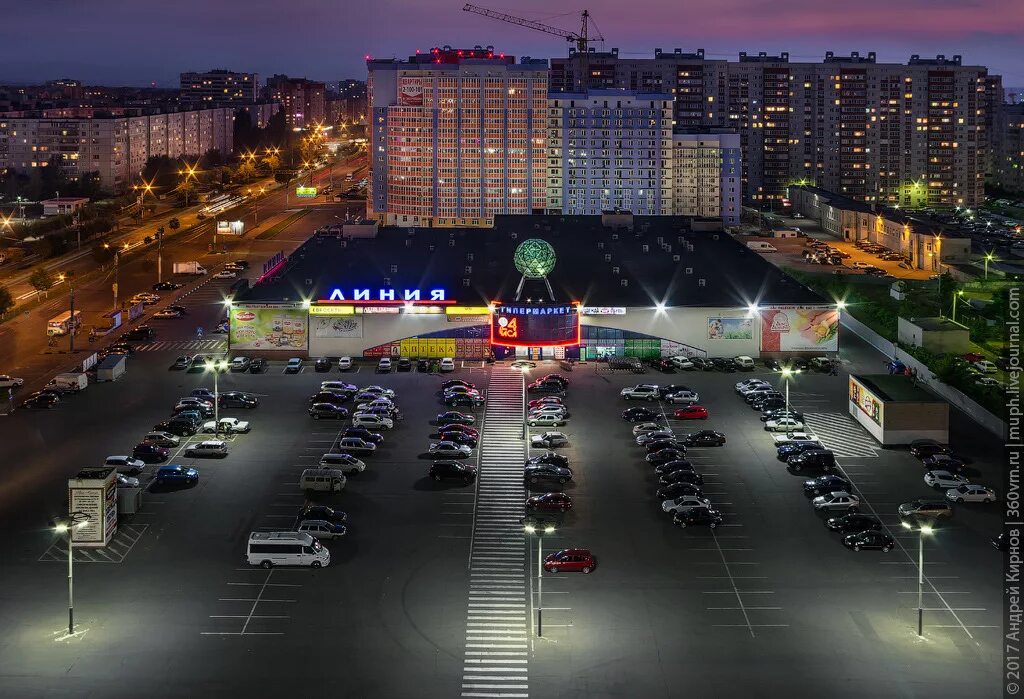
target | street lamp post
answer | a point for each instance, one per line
(787, 372)
(989, 257)
(956, 297)
(69, 277)
(216, 367)
(74, 520)
(922, 531)
(549, 529)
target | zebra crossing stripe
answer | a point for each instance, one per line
(841, 434)
(183, 345)
(497, 616)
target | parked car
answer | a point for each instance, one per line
(448, 450)
(209, 448)
(364, 434)
(322, 529)
(181, 363)
(166, 286)
(127, 481)
(837, 500)
(870, 539)
(227, 425)
(470, 440)
(784, 424)
(826, 484)
(150, 453)
(447, 364)
(664, 456)
(545, 420)
(177, 426)
(404, 364)
(548, 440)
(258, 365)
(373, 422)
(329, 411)
(697, 516)
(324, 512)
(812, 459)
(384, 365)
(644, 428)
(441, 470)
(853, 523)
(454, 417)
(688, 397)
(684, 502)
(356, 446)
(471, 399)
(548, 457)
(691, 412)
(534, 473)
(704, 438)
(294, 365)
(454, 427)
(676, 489)
(923, 509)
(971, 492)
(549, 501)
(641, 392)
(344, 363)
(161, 439)
(640, 414)
(237, 399)
(240, 364)
(126, 464)
(176, 474)
(943, 462)
(41, 401)
(570, 561)
(943, 480)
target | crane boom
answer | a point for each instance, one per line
(581, 39)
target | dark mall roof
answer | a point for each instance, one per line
(475, 265)
(896, 388)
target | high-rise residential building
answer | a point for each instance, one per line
(706, 178)
(352, 98)
(456, 137)
(116, 147)
(219, 88)
(908, 134)
(610, 150)
(1009, 171)
(301, 99)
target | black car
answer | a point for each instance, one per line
(641, 414)
(663, 456)
(166, 286)
(793, 448)
(422, 365)
(556, 377)
(799, 363)
(826, 483)
(769, 404)
(441, 470)
(150, 453)
(671, 388)
(322, 364)
(546, 386)
(697, 516)
(181, 428)
(364, 434)
(455, 399)
(453, 417)
(336, 397)
(177, 308)
(725, 364)
(535, 473)
(812, 459)
(673, 466)
(704, 438)
(40, 401)
(677, 477)
(772, 364)
(667, 443)
(120, 348)
(139, 334)
(244, 264)
(853, 523)
(404, 364)
(781, 412)
(323, 512)
(702, 364)
(548, 458)
(258, 365)
(329, 411)
(677, 489)
(925, 448)
(761, 394)
(193, 416)
(458, 437)
(870, 539)
(237, 399)
(452, 383)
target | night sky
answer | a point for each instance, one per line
(138, 42)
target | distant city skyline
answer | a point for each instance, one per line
(117, 43)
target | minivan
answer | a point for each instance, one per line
(330, 480)
(211, 447)
(744, 363)
(269, 549)
(342, 462)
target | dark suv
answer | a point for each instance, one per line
(549, 385)
(817, 459)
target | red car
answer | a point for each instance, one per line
(691, 412)
(570, 560)
(456, 427)
(549, 501)
(547, 400)
(973, 357)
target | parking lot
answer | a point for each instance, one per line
(436, 579)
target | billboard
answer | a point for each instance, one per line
(255, 328)
(410, 92)
(730, 328)
(337, 326)
(866, 401)
(535, 325)
(799, 329)
(93, 493)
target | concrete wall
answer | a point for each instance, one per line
(938, 341)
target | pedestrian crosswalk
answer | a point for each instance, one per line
(842, 435)
(495, 660)
(184, 346)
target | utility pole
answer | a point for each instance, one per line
(71, 308)
(159, 254)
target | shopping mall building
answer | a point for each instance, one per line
(540, 286)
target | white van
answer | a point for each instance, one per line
(342, 462)
(761, 246)
(372, 422)
(329, 480)
(269, 549)
(69, 383)
(744, 363)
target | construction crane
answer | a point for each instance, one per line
(583, 39)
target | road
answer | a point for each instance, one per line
(23, 344)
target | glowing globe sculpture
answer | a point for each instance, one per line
(535, 259)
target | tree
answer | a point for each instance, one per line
(174, 224)
(245, 171)
(187, 189)
(6, 300)
(41, 279)
(271, 162)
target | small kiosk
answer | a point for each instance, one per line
(93, 492)
(895, 410)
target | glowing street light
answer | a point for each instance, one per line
(216, 367)
(922, 531)
(989, 257)
(539, 532)
(74, 520)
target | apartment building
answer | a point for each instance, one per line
(117, 147)
(457, 136)
(886, 132)
(218, 88)
(706, 176)
(1009, 170)
(302, 100)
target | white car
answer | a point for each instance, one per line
(127, 481)
(380, 391)
(989, 382)
(645, 427)
(10, 381)
(322, 529)
(860, 265)
(684, 397)
(549, 440)
(640, 392)
(372, 422)
(226, 274)
(545, 420)
(449, 449)
(228, 425)
(684, 502)
(447, 364)
(791, 437)
(645, 437)
(944, 480)
(681, 362)
(550, 409)
(784, 424)
(384, 365)
(838, 500)
(211, 447)
(167, 313)
(752, 387)
(986, 367)
(344, 363)
(162, 439)
(971, 492)
(145, 298)
(375, 403)
(750, 382)
(193, 404)
(125, 464)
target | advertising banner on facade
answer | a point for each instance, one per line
(730, 328)
(255, 328)
(337, 326)
(799, 329)
(866, 401)
(410, 92)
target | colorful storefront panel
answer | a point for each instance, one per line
(281, 328)
(798, 329)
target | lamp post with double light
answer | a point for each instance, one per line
(68, 525)
(216, 366)
(922, 530)
(540, 532)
